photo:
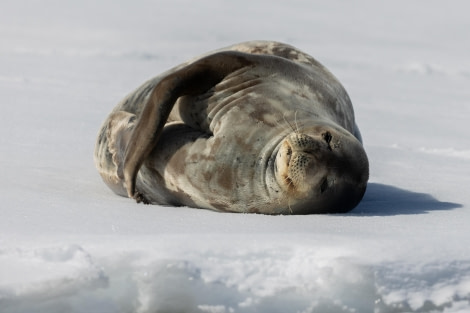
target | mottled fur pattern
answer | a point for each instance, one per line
(272, 131)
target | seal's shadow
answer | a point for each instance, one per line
(382, 200)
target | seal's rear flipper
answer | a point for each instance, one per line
(120, 127)
(118, 132)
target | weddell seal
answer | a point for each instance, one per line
(255, 127)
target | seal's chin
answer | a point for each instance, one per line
(325, 170)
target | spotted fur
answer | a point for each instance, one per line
(256, 127)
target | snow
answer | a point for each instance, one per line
(68, 244)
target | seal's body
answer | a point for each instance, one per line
(255, 127)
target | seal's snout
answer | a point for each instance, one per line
(326, 170)
(297, 155)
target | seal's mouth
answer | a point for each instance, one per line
(295, 162)
(285, 158)
(283, 166)
(288, 153)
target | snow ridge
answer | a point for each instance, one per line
(279, 280)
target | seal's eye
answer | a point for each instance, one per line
(327, 137)
(324, 185)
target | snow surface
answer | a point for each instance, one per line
(68, 244)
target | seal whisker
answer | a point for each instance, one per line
(310, 112)
(287, 198)
(285, 127)
(288, 123)
(295, 120)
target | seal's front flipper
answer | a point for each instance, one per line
(192, 79)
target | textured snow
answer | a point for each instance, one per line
(68, 244)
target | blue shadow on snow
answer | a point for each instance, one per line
(383, 200)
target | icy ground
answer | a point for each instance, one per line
(68, 244)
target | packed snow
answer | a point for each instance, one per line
(68, 244)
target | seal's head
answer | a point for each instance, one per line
(322, 169)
